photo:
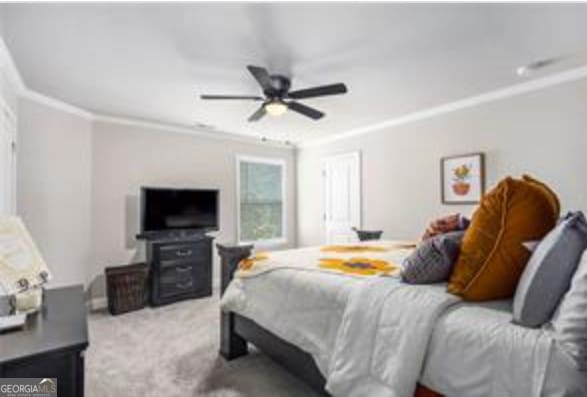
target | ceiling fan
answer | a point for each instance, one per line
(277, 97)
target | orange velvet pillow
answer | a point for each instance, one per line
(492, 255)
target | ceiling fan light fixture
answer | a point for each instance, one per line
(276, 88)
(523, 71)
(275, 108)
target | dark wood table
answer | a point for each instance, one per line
(52, 344)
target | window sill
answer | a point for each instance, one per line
(266, 244)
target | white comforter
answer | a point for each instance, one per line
(382, 342)
(303, 308)
(474, 350)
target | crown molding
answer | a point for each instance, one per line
(181, 129)
(22, 91)
(148, 124)
(450, 107)
(56, 104)
(7, 63)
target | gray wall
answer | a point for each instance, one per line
(543, 133)
(54, 186)
(78, 185)
(126, 158)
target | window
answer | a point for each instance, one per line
(261, 199)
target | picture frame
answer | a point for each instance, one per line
(462, 178)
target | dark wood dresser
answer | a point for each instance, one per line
(52, 344)
(180, 268)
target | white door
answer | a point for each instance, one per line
(7, 162)
(342, 197)
(12, 134)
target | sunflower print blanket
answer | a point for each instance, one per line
(380, 258)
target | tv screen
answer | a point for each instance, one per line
(178, 209)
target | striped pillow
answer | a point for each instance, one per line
(433, 260)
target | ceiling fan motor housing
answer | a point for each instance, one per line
(280, 86)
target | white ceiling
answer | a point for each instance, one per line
(152, 61)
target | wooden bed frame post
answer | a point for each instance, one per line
(232, 345)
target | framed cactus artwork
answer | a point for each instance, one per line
(462, 178)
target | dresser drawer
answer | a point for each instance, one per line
(178, 272)
(177, 288)
(171, 252)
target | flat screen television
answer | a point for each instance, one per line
(168, 210)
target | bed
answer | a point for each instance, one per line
(313, 323)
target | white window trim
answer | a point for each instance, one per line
(267, 243)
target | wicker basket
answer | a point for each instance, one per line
(126, 287)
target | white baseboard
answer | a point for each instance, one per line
(97, 303)
(100, 303)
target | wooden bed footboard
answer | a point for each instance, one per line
(236, 331)
(232, 345)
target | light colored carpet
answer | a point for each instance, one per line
(173, 351)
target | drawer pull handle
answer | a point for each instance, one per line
(183, 269)
(184, 285)
(183, 253)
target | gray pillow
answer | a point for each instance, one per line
(433, 260)
(549, 271)
(570, 320)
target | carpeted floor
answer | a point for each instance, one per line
(173, 351)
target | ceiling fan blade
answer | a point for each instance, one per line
(247, 97)
(331, 89)
(305, 110)
(258, 114)
(262, 76)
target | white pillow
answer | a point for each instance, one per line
(570, 320)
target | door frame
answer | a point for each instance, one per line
(323, 190)
(9, 133)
